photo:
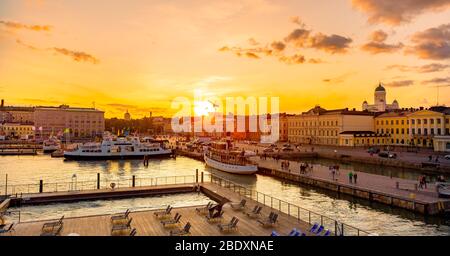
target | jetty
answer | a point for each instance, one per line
(219, 190)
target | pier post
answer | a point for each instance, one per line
(98, 180)
(6, 185)
(41, 186)
(196, 175)
(202, 177)
(134, 181)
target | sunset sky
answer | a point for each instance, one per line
(141, 54)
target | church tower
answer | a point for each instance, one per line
(380, 98)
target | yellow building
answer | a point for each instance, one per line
(17, 130)
(425, 124)
(415, 127)
(323, 127)
(395, 126)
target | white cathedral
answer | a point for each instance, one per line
(380, 102)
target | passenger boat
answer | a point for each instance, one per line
(117, 148)
(219, 155)
(51, 145)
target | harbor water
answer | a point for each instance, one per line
(371, 217)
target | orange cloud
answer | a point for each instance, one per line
(17, 25)
(395, 12)
(76, 55)
(429, 68)
(401, 83)
(294, 59)
(377, 44)
(432, 43)
(331, 44)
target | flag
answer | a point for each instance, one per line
(67, 130)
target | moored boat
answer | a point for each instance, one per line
(117, 148)
(51, 145)
(219, 155)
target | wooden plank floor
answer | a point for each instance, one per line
(147, 224)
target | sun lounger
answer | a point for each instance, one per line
(217, 216)
(122, 226)
(270, 221)
(327, 233)
(274, 233)
(52, 225)
(239, 206)
(133, 232)
(204, 210)
(256, 213)
(181, 232)
(164, 214)
(314, 227)
(7, 230)
(320, 229)
(52, 232)
(230, 226)
(173, 221)
(120, 217)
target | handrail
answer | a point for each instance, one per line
(340, 228)
(75, 185)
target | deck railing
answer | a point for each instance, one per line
(76, 185)
(338, 228)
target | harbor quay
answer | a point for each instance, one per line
(238, 203)
(396, 192)
(412, 160)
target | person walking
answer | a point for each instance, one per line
(355, 177)
(350, 177)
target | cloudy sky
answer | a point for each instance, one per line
(141, 54)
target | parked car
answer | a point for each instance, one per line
(447, 157)
(373, 150)
(387, 154)
(268, 150)
(287, 149)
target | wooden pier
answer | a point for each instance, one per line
(147, 224)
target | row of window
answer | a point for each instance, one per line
(313, 132)
(149, 149)
(413, 121)
(314, 123)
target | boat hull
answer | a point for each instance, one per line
(234, 169)
(112, 157)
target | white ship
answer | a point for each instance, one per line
(51, 145)
(219, 156)
(117, 148)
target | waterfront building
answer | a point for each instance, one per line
(284, 124)
(323, 127)
(425, 125)
(362, 138)
(380, 104)
(80, 122)
(395, 126)
(15, 114)
(416, 127)
(17, 130)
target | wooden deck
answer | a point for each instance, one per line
(147, 224)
